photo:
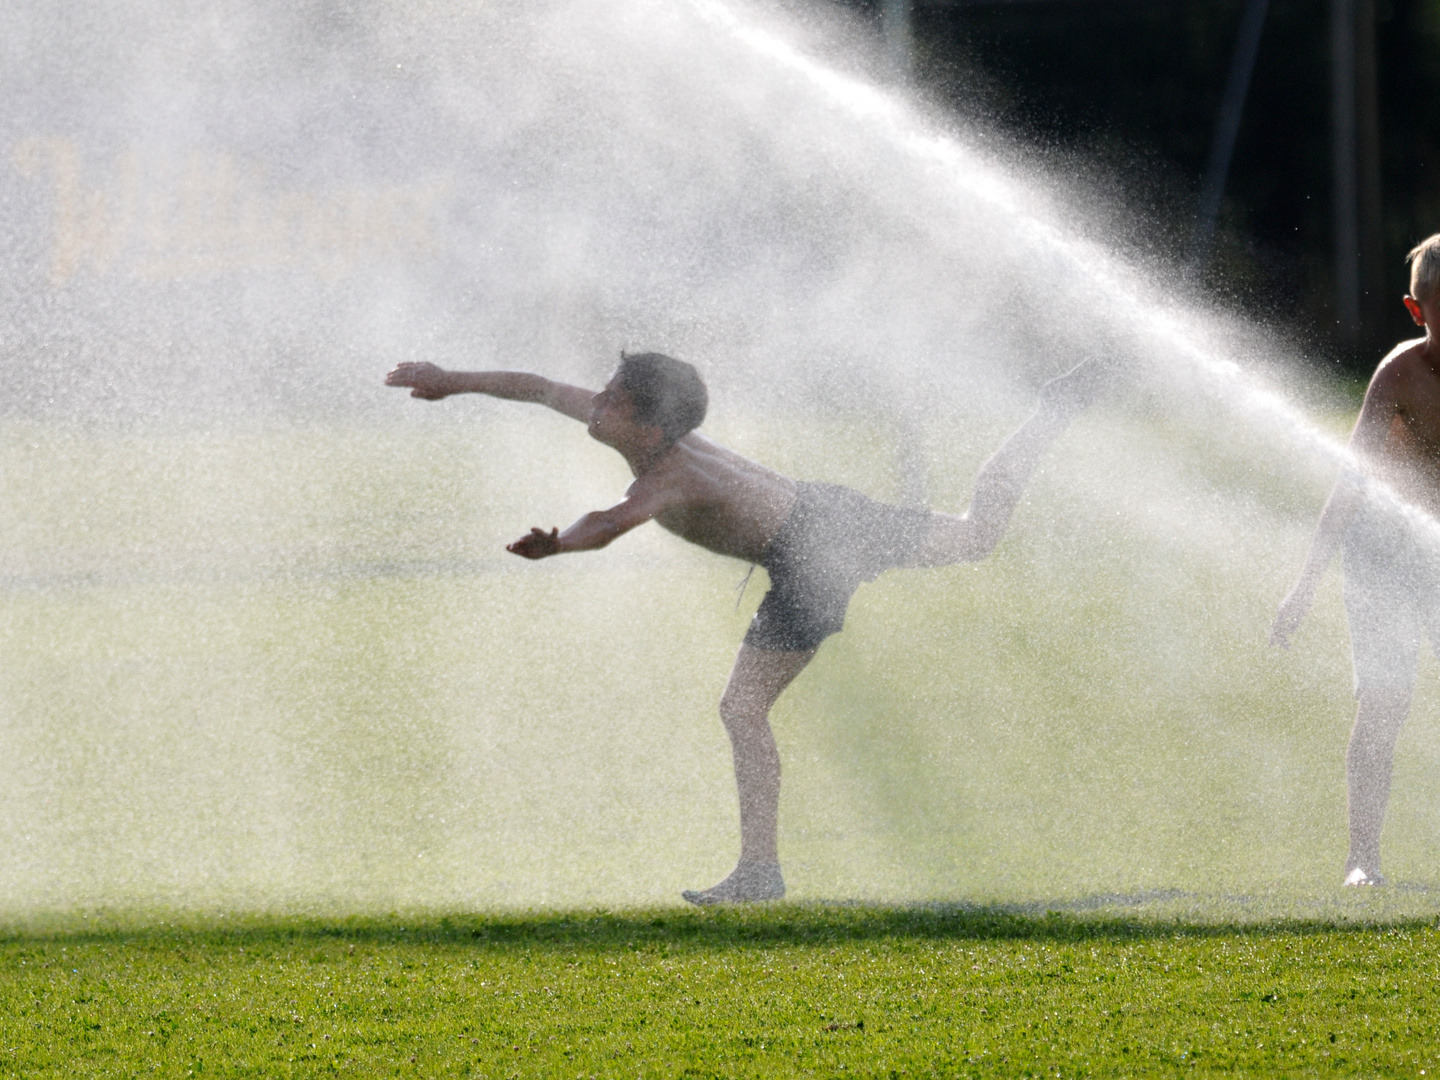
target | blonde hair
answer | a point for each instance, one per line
(1424, 260)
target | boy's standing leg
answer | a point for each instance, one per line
(1390, 586)
(1369, 761)
(761, 675)
(757, 680)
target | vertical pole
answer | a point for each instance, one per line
(1227, 128)
(1368, 193)
(899, 41)
(910, 452)
(1343, 163)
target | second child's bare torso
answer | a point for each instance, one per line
(716, 498)
(1404, 450)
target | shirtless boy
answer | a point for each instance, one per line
(818, 542)
(1392, 575)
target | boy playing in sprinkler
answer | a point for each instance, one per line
(818, 542)
(1392, 575)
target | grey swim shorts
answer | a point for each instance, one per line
(1392, 592)
(834, 540)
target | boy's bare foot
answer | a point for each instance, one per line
(1361, 878)
(748, 882)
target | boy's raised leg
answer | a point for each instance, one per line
(758, 678)
(971, 536)
(1369, 761)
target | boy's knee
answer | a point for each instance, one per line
(983, 540)
(972, 536)
(739, 708)
(1379, 715)
(1383, 700)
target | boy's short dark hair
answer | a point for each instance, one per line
(668, 393)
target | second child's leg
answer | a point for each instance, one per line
(1369, 761)
(758, 678)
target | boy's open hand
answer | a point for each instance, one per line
(427, 380)
(536, 544)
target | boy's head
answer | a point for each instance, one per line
(666, 393)
(1423, 303)
(1424, 260)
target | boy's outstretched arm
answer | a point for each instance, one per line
(432, 383)
(591, 532)
(1366, 441)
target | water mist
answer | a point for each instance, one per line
(264, 649)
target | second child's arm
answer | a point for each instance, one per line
(432, 383)
(1345, 499)
(1366, 442)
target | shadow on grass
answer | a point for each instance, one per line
(1096, 918)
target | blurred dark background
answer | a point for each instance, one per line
(1333, 170)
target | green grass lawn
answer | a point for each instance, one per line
(824, 991)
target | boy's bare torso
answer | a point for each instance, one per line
(1404, 451)
(716, 498)
(694, 488)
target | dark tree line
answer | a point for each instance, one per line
(1135, 86)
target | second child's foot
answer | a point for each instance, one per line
(1358, 878)
(748, 883)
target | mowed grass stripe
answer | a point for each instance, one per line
(782, 991)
